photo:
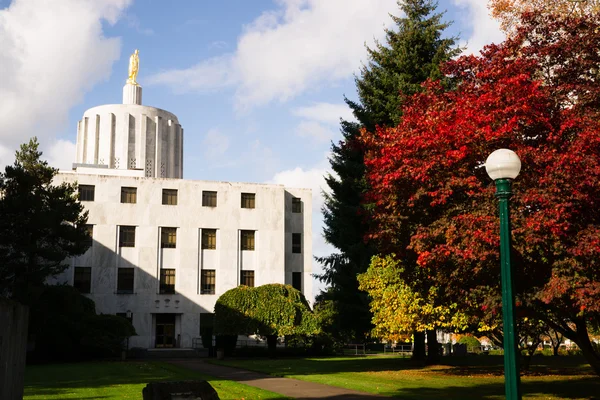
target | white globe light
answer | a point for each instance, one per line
(503, 164)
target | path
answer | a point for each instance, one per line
(285, 386)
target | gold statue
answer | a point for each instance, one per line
(134, 65)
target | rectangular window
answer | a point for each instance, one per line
(86, 192)
(168, 238)
(208, 281)
(127, 236)
(247, 278)
(296, 205)
(209, 199)
(128, 195)
(248, 200)
(169, 197)
(124, 315)
(167, 281)
(125, 280)
(90, 231)
(82, 279)
(247, 239)
(209, 239)
(297, 280)
(296, 243)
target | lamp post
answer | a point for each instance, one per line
(503, 166)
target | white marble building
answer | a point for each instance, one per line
(163, 248)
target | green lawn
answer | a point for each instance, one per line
(477, 377)
(120, 380)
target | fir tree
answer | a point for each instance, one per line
(411, 54)
(41, 224)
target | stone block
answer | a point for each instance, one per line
(188, 390)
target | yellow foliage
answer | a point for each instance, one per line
(509, 11)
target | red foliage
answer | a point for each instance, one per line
(538, 94)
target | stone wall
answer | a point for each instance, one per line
(13, 347)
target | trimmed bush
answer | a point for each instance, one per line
(469, 341)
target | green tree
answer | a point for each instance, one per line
(411, 54)
(41, 224)
(271, 310)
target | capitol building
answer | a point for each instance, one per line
(163, 249)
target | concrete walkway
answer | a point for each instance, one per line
(285, 386)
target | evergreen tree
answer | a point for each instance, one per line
(41, 224)
(411, 54)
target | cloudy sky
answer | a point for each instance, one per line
(257, 85)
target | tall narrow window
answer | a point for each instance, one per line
(209, 198)
(127, 236)
(169, 197)
(209, 239)
(296, 243)
(87, 192)
(248, 200)
(168, 238)
(247, 278)
(82, 279)
(89, 229)
(247, 240)
(128, 195)
(297, 280)
(296, 205)
(167, 281)
(125, 280)
(208, 281)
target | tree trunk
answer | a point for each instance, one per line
(433, 348)
(272, 345)
(588, 351)
(418, 346)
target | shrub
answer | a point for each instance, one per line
(469, 341)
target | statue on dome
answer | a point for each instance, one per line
(134, 65)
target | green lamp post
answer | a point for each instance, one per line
(503, 166)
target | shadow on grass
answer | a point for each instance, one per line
(577, 388)
(60, 380)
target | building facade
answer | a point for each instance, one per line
(163, 249)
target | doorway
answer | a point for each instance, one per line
(165, 330)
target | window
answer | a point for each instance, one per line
(128, 195)
(86, 192)
(167, 281)
(247, 238)
(125, 280)
(127, 236)
(124, 315)
(169, 197)
(207, 281)
(209, 239)
(297, 280)
(296, 205)
(209, 199)
(82, 279)
(296, 243)
(168, 238)
(247, 278)
(89, 229)
(248, 200)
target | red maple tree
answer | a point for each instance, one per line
(432, 203)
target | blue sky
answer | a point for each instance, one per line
(257, 85)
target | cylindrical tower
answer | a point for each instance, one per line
(131, 136)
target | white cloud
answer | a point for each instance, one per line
(215, 144)
(325, 112)
(315, 131)
(486, 30)
(286, 51)
(52, 53)
(60, 154)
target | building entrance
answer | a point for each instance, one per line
(165, 330)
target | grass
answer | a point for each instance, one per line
(120, 380)
(476, 377)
